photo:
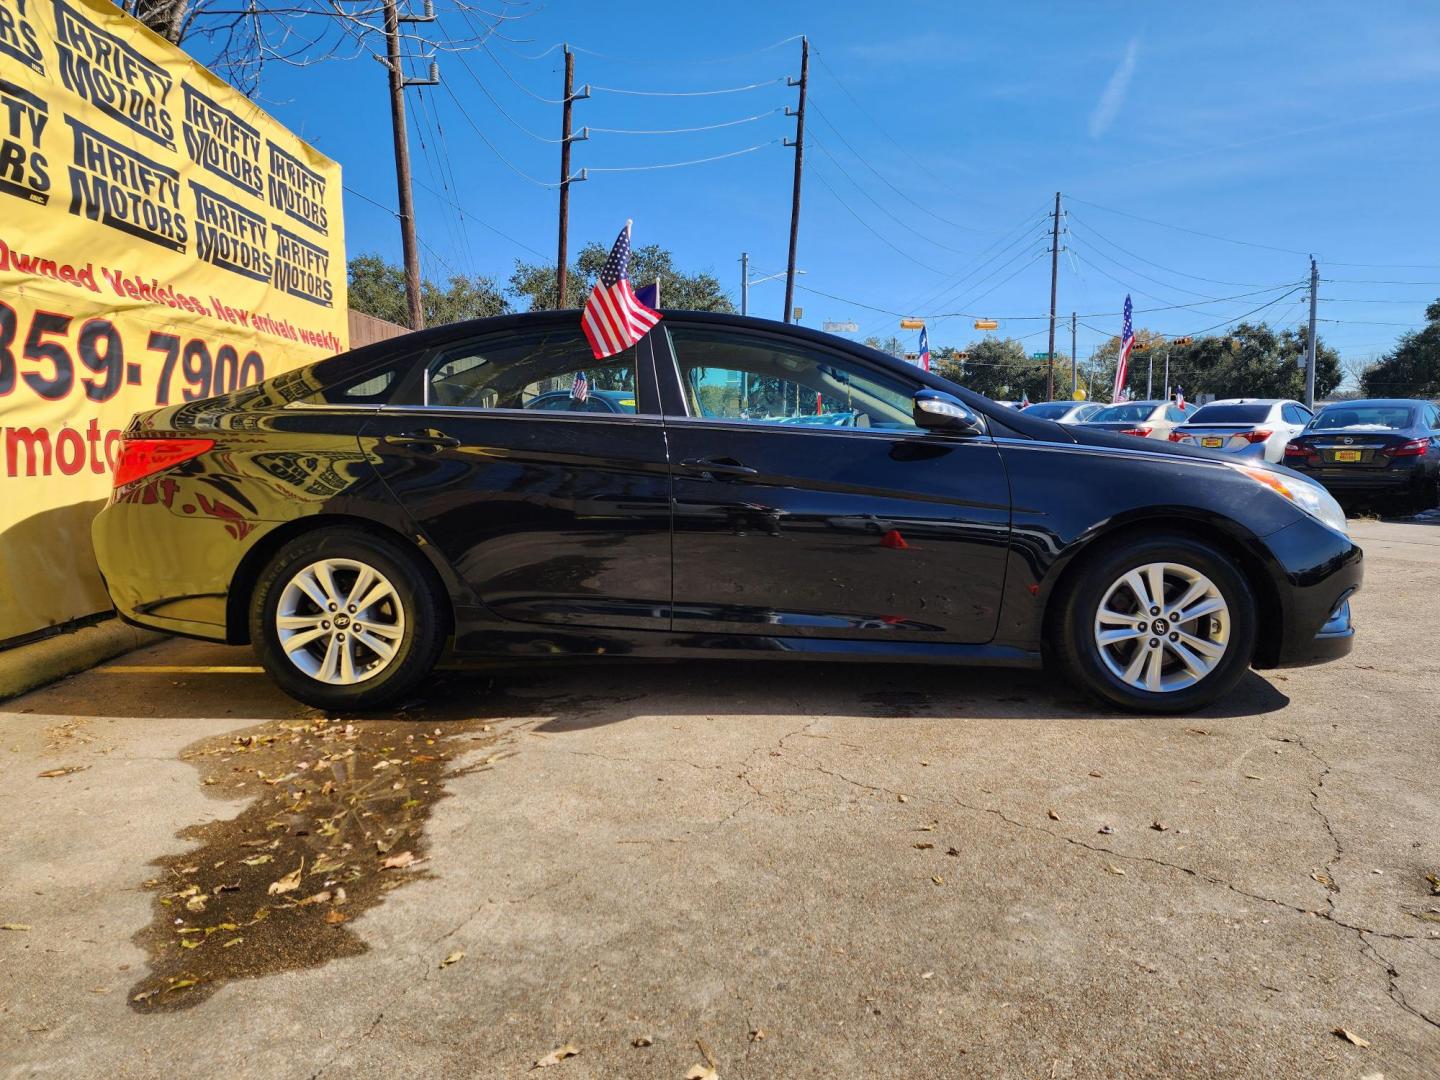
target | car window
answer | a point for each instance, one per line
(1049, 410)
(1179, 416)
(764, 379)
(1295, 414)
(1230, 414)
(1128, 413)
(553, 370)
(1338, 417)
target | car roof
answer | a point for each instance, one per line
(1251, 401)
(1390, 402)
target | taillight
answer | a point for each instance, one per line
(1176, 436)
(140, 458)
(1143, 431)
(1296, 449)
(1255, 436)
(1413, 448)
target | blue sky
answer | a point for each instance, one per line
(937, 137)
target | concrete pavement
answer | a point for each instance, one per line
(778, 871)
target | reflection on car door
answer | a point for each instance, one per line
(547, 517)
(858, 526)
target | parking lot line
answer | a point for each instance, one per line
(181, 669)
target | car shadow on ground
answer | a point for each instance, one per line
(192, 679)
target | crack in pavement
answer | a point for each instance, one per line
(1332, 889)
(1392, 977)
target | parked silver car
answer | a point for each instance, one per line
(1144, 419)
(1254, 427)
(1064, 412)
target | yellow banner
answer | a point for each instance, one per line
(161, 240)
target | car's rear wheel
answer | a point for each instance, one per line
(1163, 623)
(345, 619)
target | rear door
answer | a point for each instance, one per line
(808, 504)
(548, 511)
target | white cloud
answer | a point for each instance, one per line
(1108, 107)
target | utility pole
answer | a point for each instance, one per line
(745, 283)
(398, 82)
(1310, 341)
(1150, 377)
(1054, 281)
(799, 145)
(1166, 380)
(567, 98)
(1074, 361)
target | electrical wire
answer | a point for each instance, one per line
(500, 108)
(686, 93)
(679, 164)
(685, 130)
(811, 102)
(1182, 228)
(485, 139)
(871, 229)
(656, 60)
(517, 82)
(478, 221)
(1150, 262)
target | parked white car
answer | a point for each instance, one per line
(1254, 427)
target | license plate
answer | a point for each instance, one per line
(1212, 441)
(1347, 455)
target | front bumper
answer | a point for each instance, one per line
(1317, 572)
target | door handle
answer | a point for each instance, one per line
(421, 440)
(718, 467)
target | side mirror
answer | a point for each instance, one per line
(936, 410)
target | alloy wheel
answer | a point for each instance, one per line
(340, 621)
(1162, 627)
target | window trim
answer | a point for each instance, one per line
(672, 390)
(645, 383)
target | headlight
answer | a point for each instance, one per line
(1306, 494)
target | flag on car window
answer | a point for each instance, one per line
(1122, 364)
(1179, 397)
(614, 318)
(649, 295)
(580, 388)
(1024, 399)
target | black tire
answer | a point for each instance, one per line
(423, 610)
(1078, 655)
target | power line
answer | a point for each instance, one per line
(1150, 262)
(1184, 229)
(478, 221)
(485, 139)
(685, 130)
(498, 107)
(679, 164)
(884, 179)
(871, 229)
(653, 59)
(517, 82)
(688, 93)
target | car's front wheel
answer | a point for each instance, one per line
(345, 619)
(1158, 624)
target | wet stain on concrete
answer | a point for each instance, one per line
(336, 821)
(898, 703)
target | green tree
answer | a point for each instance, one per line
(892, 345)
(377, 288)
(996, 367)
(700, 291)
(1412, 368)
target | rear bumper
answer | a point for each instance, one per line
(1320, 570)
(1372, 481)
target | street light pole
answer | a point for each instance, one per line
(744, 283)
(1310, 341)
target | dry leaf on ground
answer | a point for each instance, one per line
(289, 883)
(454, 958)
(48, 773)
(555, 1057)
(1351, 1037)
(1052, 815)
(702, 1072)
(15, 926)
(924, 846)
(1159, 826)
(642, 1040)
(398, 861)
(1109, 869)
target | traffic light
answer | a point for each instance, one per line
(912, 324)
(1183, 341)
(986, 324)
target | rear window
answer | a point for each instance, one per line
(1338, 417)
(1050, 410)
(1127, 414)
(1230, 414)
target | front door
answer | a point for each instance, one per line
(808, 504)
(540, 474)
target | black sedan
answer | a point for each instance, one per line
(1386, 447)
(356, 518)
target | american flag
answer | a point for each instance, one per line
(1127, 343)
(613, 318)
(580, 388)
(1179, 397)
(924, 349)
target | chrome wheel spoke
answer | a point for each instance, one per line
(322, 637)
(1147, 649)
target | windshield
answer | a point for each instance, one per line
(1230, 414)
(1049, 410)
(1363, 416)
(1128, 414)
